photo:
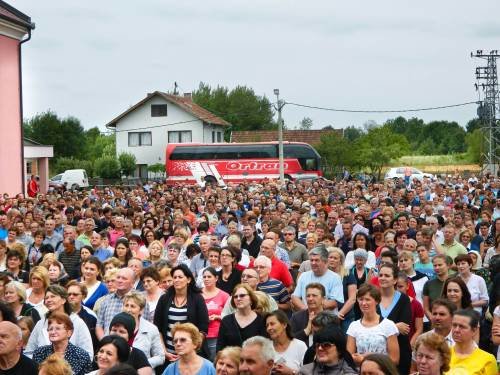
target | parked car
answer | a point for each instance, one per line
(71, 179)
(399, 172)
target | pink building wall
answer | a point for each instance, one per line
(11, 162)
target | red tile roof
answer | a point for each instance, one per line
(183, 102)
(11, 14)
(311, 137)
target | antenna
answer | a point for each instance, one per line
(488, 110)
(175, 88)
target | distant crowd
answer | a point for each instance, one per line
(308, 277)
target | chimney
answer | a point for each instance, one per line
(187, 95)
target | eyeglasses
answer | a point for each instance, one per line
(74, 294)
(181, 340)
(240, 296)
(225, 255)
(324, 345)
(288, 234)
(244, 276)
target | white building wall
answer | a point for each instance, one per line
(140, 120)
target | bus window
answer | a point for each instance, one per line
(307, 156)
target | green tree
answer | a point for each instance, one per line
(352, 133)
(306, 123)
(473, 125)
(66, 135)
(376, 148)
(127, 163)
(241, 107)
(107, 167)
(338, 153)
(158, 169)
(475, 146)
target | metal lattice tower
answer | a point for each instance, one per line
(489, 108)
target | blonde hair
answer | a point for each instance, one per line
(137, 297)
(263, 306)
(231, 352)
(55, 365)
(342, 270)
(42, 273)
(193, 331)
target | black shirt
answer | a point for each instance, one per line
(24, 366)
(137, 359)
(229, 284)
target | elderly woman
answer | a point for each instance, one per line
(147, 336)
(112, 350)
(173, 253)
(15, 296)
(332, 356)
(187, 340)
(227, 361)
(57, 274)
(289, 350)
(56, 301)
(244, 322)
(432, 355)
(60, 329)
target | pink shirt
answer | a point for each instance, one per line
(113, 235)
(214, 307)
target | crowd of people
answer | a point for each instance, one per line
(310, 277)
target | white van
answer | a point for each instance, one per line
(71, 179)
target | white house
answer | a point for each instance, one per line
(145, 128)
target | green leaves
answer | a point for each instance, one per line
(127, 163)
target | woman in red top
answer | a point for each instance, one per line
(417, 311)
(216, 300)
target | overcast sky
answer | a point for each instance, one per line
(93, 59)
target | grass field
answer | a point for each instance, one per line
(438, 163)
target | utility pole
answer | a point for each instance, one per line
(279, 107)
(488, 110)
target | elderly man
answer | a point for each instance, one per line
(257, 356)
(12, 362)
(251, 278)
(450, 246)
(279, 270)
(135, 264)
(272, 287)
(51, 237)
(319, 274)
(68, 232)
(281, 254)
(200, 261)
(113, 303)
(89, 227)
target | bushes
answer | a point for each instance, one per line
(63, 163)
(107, 167)
(127, 163)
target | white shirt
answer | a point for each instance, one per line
(349, 260)
(80, 337)
(478, 290)
(293, 355)
(372, 339)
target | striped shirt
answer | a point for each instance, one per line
(275, 289)
(175, 315)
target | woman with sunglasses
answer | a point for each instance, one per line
(187, 341)
(244, 322)
(332, 356)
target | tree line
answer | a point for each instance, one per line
(371, 146)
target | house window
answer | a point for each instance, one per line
(180, 136)
(139, 139)
(158, 110)
(141, 171)
(213, 137)
(219, 137)
(29, 167)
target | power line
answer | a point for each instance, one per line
(381, 111)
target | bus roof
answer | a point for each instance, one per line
(236, 144)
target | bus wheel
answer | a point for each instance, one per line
(211, 180)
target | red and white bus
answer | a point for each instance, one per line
(221, 163)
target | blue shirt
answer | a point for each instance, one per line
(207, 368)
(330, 280)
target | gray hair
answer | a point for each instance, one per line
(320, 250)
(264, 260)
(289, 228)
(234, 240)
(267, 351)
